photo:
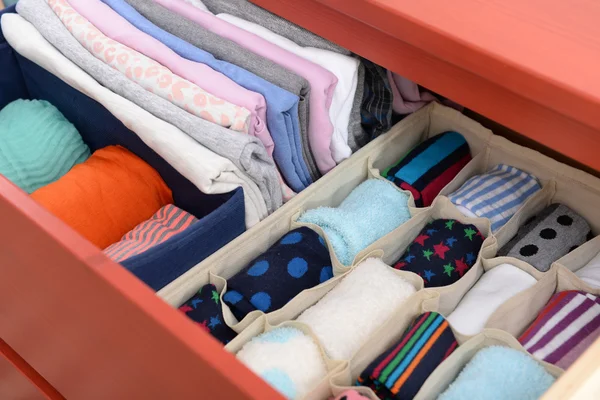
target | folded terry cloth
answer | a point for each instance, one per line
(590, 273)
(400, 372)
(497, 194)
(205, 309)
(345, 317)
(372, 210)
(443, 252)
(500, 373)
(298, 261)
(564, 329)
(166, 223)
(430, 166)
(37, 144)
(493, 289)
(286, 359)
(350, 395)
(106, 196)
(551, 234)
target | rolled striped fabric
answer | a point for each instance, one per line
(496, 195)
(400, 372)
(564, 329)
(166, 223)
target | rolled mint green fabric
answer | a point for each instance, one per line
(38, 145)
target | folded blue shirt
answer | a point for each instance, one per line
(282, 106)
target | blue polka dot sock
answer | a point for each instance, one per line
(443, 252)
(205, 309)
(300, 260)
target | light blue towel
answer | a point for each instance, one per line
(282, 106)
(500, 373)
(371, 211)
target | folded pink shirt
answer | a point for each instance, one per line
(322, 82)
(119, 29)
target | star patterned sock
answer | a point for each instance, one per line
(205, 309)
(443, 252)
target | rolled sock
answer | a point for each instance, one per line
(286, 359)
(346, 316)
(350, 395)
(298, 261)
(205, 309)
(37, 144)
(430, 166)
(564, 329)
(106, 196)
(493, 289)
(400, 372)
(166, 223)
(466, 212)
(500, 373)
(497, 194)
(590, 273)
(553, 233)
(443, 252)
(372, 210)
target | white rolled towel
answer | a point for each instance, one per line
(346, 316)
(494, 288)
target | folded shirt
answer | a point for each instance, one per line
(163, 225)
(493, 289)
(551, 234)
(376, 111)
(430, 166)
(204, 308)
(496, 195)
(38, 145)
(590, 273)
(106, 196)
(564, 329)
(299, 260)
(499, 373)
(400, 371)
(373, 209)
(443, 252)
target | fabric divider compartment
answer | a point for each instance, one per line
(220, 216)
(445, 374)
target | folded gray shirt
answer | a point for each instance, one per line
(245, 151)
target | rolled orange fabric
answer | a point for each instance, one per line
(106, 196)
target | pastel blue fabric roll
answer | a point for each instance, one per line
(282, 106)
(372, 210)
(499, 373)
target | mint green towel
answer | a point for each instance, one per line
(37, 144)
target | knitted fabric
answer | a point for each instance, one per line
(400, 372)
(443, 252)
(372, 210)
(298, 261)
(37, 144)
(350, 395)
(553, 233)
(430, 166)
(205, 309)
(564, 329)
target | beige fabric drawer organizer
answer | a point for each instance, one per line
(560, 183)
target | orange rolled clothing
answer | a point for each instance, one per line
(106, 196)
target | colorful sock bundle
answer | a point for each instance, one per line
(163, 225)
(430, 166)
(372, 210)
(553, 233)
(300, 260)
(496, 195)
(345, 317)
(37, 144)
(443, 252)
(205, 309)
(287, 359)
(500, 373)
(564, 329)
(400, 372)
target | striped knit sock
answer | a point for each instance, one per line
(400, 372)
